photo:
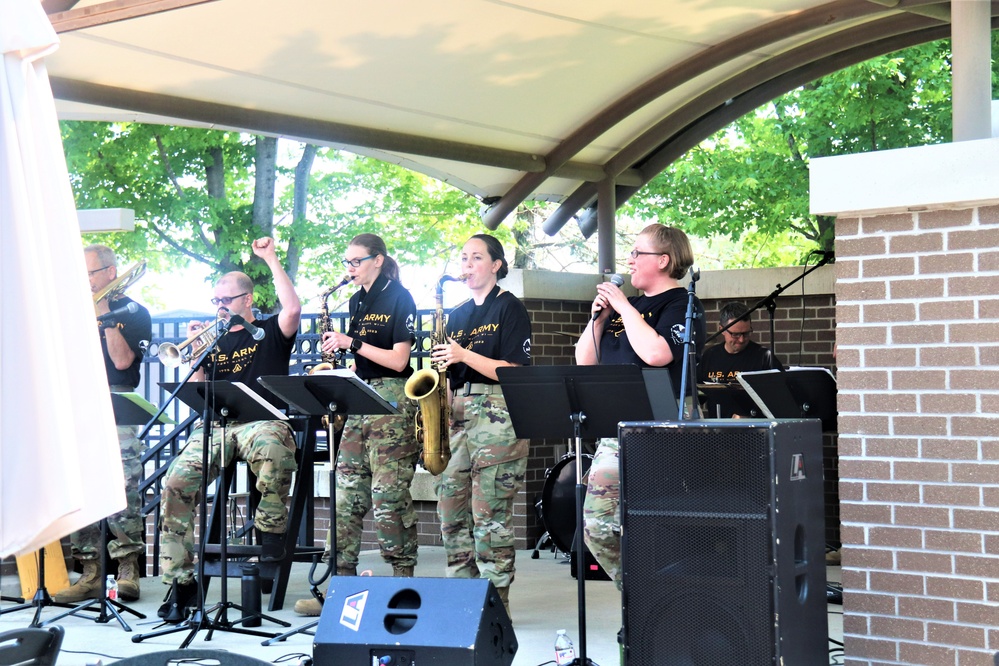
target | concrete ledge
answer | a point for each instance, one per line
(949, 175)
(743, 283)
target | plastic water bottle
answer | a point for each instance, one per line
(112, 587)
(564, 652)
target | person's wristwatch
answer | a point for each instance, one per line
(355, 344)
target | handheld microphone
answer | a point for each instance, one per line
(255, 332)
(615, 280)
(131, 308)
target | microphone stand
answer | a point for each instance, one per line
(770, 301)
(689, 370)
(201, 619)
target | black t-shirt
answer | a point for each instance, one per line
(134, 328)
(667, 314)
(382, 319)
(498, 329)
(240, 358)
(717, 365)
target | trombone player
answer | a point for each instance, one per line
(121, 335)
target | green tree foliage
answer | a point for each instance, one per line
(749, 182)
(203, 196)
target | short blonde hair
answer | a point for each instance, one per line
(673, 243)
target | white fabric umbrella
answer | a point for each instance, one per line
(60, 468)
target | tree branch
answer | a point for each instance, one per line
(167, 168)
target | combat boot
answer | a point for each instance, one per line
(346, 571)
(401, 571)
(311, 607)
(89, 586)
(504, 595)
(179, 598)
(271, 546)
(128, 577)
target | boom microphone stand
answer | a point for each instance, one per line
(688, 374)
(221, 399)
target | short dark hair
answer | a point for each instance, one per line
(733, 311)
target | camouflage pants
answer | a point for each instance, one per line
(374, 470)
(477, 490)
(127, 526)
(602, 509)
(268, 447)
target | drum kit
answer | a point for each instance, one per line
(557, 506)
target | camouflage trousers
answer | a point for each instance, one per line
(477, 490)
(268, 447)
(602, 509)
(127, 526)
(374, 470)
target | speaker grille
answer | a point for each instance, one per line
(718, 543)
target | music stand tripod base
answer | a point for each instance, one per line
(326, 394)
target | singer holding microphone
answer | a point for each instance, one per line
(124, 324)
(647, 331)
(250, 349)
(377, 459)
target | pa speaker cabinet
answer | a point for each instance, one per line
(413, 622)
(723, 550)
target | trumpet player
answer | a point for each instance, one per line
(378, 453)
(486, 471)
(268, 447)
(120, 339)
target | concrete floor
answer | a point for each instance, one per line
(543, 600)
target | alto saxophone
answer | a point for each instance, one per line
(429, 388)
(332, 360)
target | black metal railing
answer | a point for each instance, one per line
(164, 440)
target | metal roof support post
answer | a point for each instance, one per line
(606, 208)
(971, 25)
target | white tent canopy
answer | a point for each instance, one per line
(506, 99)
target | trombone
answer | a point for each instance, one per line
(116, 289)
(172, 355)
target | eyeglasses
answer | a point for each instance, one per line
(227, 300)
(98, 270)
(636, 253)
(356, 263)
(744, 334)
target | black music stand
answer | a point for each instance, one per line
(326, 393)
(224, 401)
(130, 409)
(724, 401)
(794, 393)
(570, 402)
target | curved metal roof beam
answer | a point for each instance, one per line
(683, 117)
(730, 89)
(815, 18)
(725, 114)
(931, 9)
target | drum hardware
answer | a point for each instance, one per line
(558, 504)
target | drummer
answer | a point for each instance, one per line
(647, 331)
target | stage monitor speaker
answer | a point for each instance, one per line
(413, 622)
(723, 550)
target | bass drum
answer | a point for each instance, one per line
(558, 500)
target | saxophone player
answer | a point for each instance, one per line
(477, 489)
(378, 454)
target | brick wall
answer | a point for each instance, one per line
(918, 358)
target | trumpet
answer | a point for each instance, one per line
(172, 355)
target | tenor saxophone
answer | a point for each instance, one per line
(429, 388)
